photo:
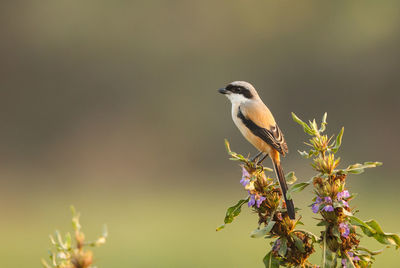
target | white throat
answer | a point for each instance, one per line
(237, 99)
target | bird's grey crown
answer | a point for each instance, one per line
(243, 84)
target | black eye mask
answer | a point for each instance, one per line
(240, 90)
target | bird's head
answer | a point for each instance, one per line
(239, 91)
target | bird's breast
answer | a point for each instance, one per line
(246, 132)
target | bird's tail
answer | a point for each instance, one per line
(282, 183)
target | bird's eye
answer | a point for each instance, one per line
(236, 90)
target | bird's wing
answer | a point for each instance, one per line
(261, 123)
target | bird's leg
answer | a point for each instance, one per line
(262, 159)
(256, 156)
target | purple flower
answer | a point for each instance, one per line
(245, 177)
(315, 205)
(244, 181)
(352, 256)
(350, 253)
(345, 204)
(344, 230)
(255, 199)
(245, 173)
(343, 194)
(252, 200)
(346, 194)
(260, 200)
(319, 200)
(276, 245)
(344, 263)
(328, 208)
(315, 208)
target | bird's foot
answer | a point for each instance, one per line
(262, 159)
(256, 157)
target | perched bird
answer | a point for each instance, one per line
(258, 126)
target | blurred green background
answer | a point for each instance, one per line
(112, 106)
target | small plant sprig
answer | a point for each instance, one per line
(339, 240)
(291, 247)
(69, 253)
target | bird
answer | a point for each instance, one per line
(257, 124)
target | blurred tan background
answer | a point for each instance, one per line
(112, 106)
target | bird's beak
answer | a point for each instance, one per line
(222, 91)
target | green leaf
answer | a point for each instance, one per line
(298, 243)
(372, 229)
(336, 233)
(313, 236)
(306, 128)
(264, 231)
(53, 259)
(52, 240)
(376, 252)
(338, 141)
(331, 259)
(346, 212)
(323, 223)
(367, 230)
(59, 239)
(323, 123)
(233, 212)
(296, 188)
(283, 247)
(309, 154)
(382, 237)
(267, 169)
(305, 154)
(270, 261)
(324, 251)
(314, 126)
(68, 240)
(359, 168)
(45, 264)
(290, 178)
(228, 147)
(105, 231)
(75, 219)
(239, 157)
(349, 260)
